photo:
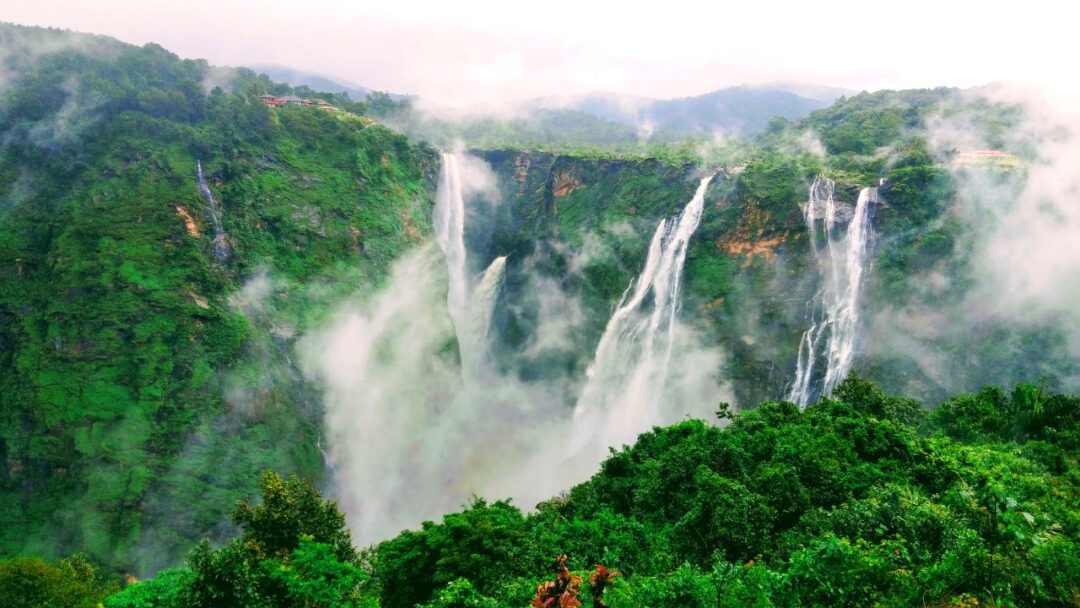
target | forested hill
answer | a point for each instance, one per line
(145, 369)
(167, 239)
(861, 499)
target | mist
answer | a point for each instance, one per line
(1018, 258)
(419, 416)
(1026, 258)
(23, 52)
(1030, 258)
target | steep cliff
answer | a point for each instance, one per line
(160, 250)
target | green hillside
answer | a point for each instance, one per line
(167, 239)
(143, 381)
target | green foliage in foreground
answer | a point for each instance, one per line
(857, 500)
(294, 551)
(861, 499)
(30, 582)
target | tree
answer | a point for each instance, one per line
(294, 552)
(30, 582)
(291, 510)
(162, 591)
(870, 399)
(486, 544)
(315, 577)
(461, 594)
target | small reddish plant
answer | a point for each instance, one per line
(561, 592)
(599, 579)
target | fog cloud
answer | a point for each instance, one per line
(479, 51)
(1017, 254)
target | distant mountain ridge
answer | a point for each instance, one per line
(737, 110)
(743, 109)
(294, 77)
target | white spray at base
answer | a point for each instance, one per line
(411, 433)
(831, 338)
(221, 240)
(625, 387)
(387, 397)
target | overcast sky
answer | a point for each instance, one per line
(475, 50)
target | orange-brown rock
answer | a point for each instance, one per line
(564, 183)
(189, 222)
(765, 247)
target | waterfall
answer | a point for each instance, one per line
(820, 205)
(624, 389)
(470, 302)
(480, 310)
(221, 240)
(402, 417)
(834, 310)
(450, 234)
(847, 283)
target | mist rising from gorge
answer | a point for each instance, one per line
(414, 428)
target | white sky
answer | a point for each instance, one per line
(478, 50)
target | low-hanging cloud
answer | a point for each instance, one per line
(1029, 261)
(23, 51)
(1016, 251)
(1026, 258)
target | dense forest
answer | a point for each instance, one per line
(167, 241)
(143, 377)
(860, 499)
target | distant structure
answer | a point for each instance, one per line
(272, 100)
(992, 158)
(275, 101)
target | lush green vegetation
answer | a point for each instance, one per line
(139, 381)
(31, 582)
(146, 382)
(860, 499)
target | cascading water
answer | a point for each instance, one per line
(470, 302)
(221, 240)
(834, 310)
(624, 391)
(481, 308)
(845, 314)
(399, 413)
(450, 234)
(402, 416)
(820, 205)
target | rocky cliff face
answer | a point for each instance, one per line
(583, 223)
